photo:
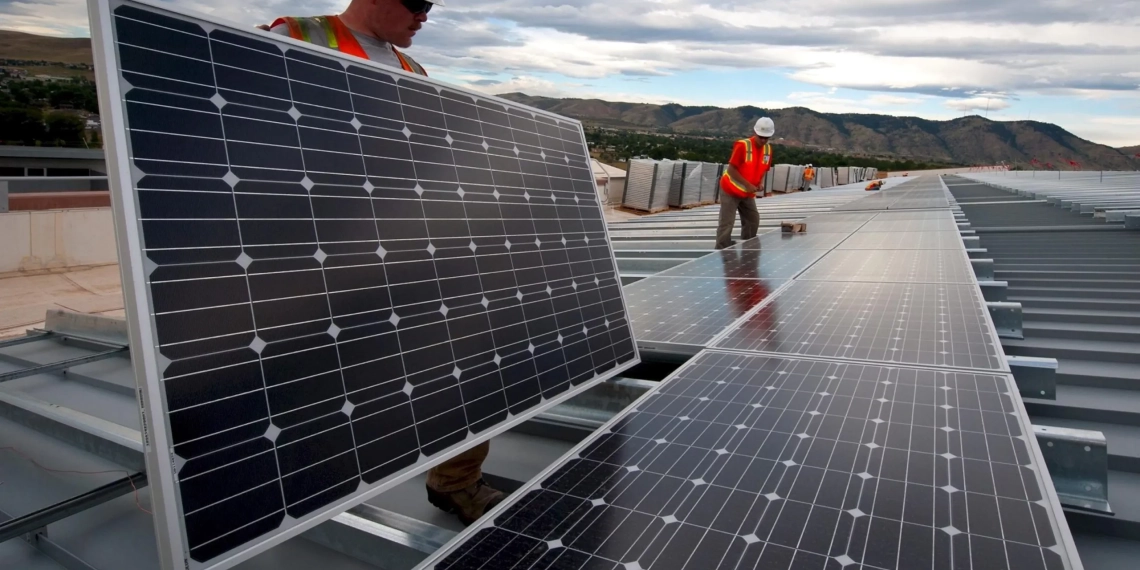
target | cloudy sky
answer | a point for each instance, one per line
(1072, 62)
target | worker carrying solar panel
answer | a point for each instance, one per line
(743, 178)
(372, 30)
(369, 29)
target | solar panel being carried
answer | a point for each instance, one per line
(336, 273)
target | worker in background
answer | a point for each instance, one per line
(743, 182)
(809, 177)
(874, 185)
(373, 29)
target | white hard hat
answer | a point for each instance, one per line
(765, 127)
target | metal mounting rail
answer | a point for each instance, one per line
(32, 522)
(32, 337)
(61, 365)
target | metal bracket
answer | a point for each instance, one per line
(1117, 216)
(1132, 222)
(36, 522)
(384, 539)
(983, 269)
(61, 365)
(963, 225)
(971, 242)
(977, 252)
(1035, 377)
(994, 291)
(1007, 319)
(108, 440)
(1078, 464)
(31, 337)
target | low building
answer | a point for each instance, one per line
(610, 181)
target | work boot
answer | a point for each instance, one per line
(469, 503)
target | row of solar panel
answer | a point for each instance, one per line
(758, 459)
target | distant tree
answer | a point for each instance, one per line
(21, 125)
(65, 129)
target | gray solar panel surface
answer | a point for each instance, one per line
(349, 271)
(690, 310)
(863, 420)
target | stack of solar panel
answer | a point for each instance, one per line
(676, 169)
(643, 189)
(860, 415)
(825, 177)
(689, 193)
(710, 182)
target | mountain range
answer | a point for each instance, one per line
(969, 140)
(19, 45)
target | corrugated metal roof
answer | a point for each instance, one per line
(1078, 280)
(1082, 306)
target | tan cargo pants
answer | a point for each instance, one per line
(749, 219)
(461, 471)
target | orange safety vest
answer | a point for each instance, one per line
(338, 37)
(751, 165)
(809, 174)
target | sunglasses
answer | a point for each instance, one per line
(417, 7)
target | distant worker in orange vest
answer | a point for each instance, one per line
(743, 182)
(372, 30)
(874, 185)
(369, 29)
(809, 177)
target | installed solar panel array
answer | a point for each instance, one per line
(339, 273)
(862, 418)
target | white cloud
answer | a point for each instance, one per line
(884, 99)
(904, 54)
(978, 104)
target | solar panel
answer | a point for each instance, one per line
(842, 217)
(740, 263)
(691, 311)
(834, 227)
(748, 461)
(903, 240)
(920, 324)
(337, 273)
(889, 225)
(777, 240)
(909, 266)
(909, 216)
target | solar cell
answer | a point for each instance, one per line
(336, 272)
(911, 323)
(691, 311)
(812, 239)
(842, 217)
(909, 216)
(903, 240)
(890, 225)
(747, 461)
(741, 263)
(909, 266)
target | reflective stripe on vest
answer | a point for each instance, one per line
(339, 37)
(749, 157)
